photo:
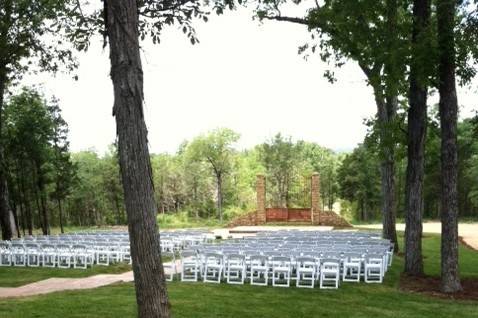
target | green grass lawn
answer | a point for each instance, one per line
(198, 300)
(18, 276)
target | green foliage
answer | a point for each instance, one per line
(27, 30)
(88, 19)
(282, 160)
(97, 196)
(359, 178)
(37, 153)
(183, 220)
(216, 150)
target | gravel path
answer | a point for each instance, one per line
(468, 231)
(52, 285)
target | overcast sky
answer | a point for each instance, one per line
(242, 75)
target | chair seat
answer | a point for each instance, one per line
(330, 271)
(260, 268)
(306, 270)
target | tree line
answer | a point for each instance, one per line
(359, 175)
(207, 177)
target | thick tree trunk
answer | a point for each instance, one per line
(5, 211)
(417, 123)
(127, 77)
(449, 153)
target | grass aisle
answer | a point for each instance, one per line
(198, 300)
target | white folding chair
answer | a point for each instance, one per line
(259, 270)
(373, 269)
(329, 273)
(352, 267)
(19, 255)
(213, 267)
(34, 254)
(5, 254)
(63, 255)
(49, 255)
(306, 269)
(236, 269)
(102, 254)
(80, 256)
(281, 271)
(169, 266)
(189, 266)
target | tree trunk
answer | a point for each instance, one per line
(118, 209)
(219, 196)
(15, 218)
(23, 218)
(26, 200)
(60, 213)
(386, 111)
(450, 280)
(195, 199)
(135, 165)
(417, 123)
(5, 211)
(44, 210)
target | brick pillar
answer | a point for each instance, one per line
(315, 198)
(261, 199)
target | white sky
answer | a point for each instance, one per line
(242, 75)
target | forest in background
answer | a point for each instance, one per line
(208, 178)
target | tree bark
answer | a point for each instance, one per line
(15, 218)
(450, 279)
(60, 214)
(135, 165)
(386, 111)
(41, 190)
(417, 123)
(5, 211)
(39, 214)
(118, 208)
(28, 208)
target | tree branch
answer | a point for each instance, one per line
(297, 20)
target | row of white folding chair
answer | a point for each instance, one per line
(62, 255)
(259, 269)
(351, 265)
(34, 255)
(316, 253)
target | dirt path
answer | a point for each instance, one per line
(52, 285)
(468, 231)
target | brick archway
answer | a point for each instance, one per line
(305, 214)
